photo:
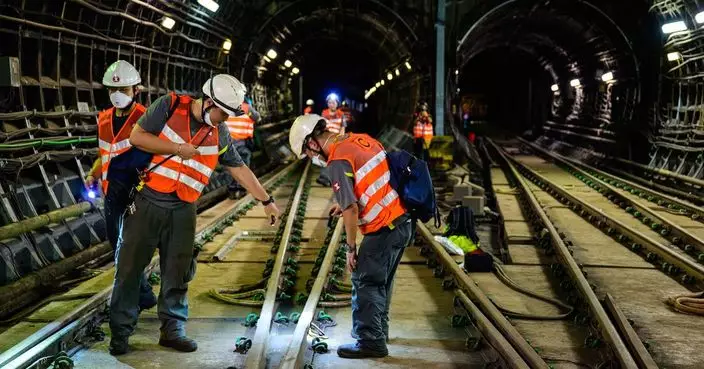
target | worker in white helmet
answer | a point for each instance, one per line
(364, 197)
(115, 166)
(309, 107)
(188, 138)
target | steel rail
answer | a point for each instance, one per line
(256, 357)
(694, 182)
(680, 234)
(467, 284)
(492, 335)
(634, 343)
(21, 354)
(691, 208)
(605, 325)
(295, 353)
(688, 265)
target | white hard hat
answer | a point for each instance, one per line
(309, 102)
(226, 91)
(301, 128)
(332, 96)
(121, 74)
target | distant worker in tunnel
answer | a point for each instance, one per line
(365, 199)
(117, 161)
(241, 128)
(347, 114)
(422, 132)
(336, 124)
(309, 107)
(188, 138)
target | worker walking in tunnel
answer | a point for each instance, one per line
(422, 132)
(347, 114)
(367, 202)
(309, 107)
(188, 138)
(241, 128)
(335, 123)
(117, 162)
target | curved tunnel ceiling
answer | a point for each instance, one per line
(576, 40)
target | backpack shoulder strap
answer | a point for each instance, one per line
(174, 104)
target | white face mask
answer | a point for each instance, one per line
(316, 160)
(120, 100)
(207, 119)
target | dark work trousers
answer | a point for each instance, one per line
(149, 228)
(243, 149)
(372, 283)
(115, 204)
(419, 149)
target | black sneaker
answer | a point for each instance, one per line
(323, 182)
(183, 344)
(119, 346)
(357, 351)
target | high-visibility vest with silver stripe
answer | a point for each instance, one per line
(189, 177)
(334, 120)
(111, 145)
(378, 201)
(241, 127)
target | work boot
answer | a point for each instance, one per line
(323, 182)
(358, 351)
(182, 343)
(119, 346)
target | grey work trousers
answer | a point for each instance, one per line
(372, 282)
(149, 228)
(245, 153)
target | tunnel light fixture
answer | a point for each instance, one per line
(227, 45)
(389, 76)
(168, 23)
(575, 83)
(210, 5)
(408, 65)
(271, 54)
(398, 73)
(288, 63)
(295, 70)
(377, 85)
(672, 27)
(457, 72)
(266, 59)
(675, 55)
(555, 87)
(607, 77)
(382, 82)
(699, 17)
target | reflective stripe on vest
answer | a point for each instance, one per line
(428, 131)
(379, 203)
(418, 130)
(241, 127)
(334, 121)
(189, 177)
(109, 145)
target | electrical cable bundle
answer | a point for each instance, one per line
(15, 165)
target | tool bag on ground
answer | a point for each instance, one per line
(460, 222)
(411, 179)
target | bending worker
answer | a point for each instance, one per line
(335, 123)
(188, 138)
(241, 128)
(422, 132)
(116, 162)
(360, 176)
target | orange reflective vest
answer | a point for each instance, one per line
(379, 203)
(334, 120)
(187, 178)
(242, 126)
(109, 145)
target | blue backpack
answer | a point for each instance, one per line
(410, 177)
